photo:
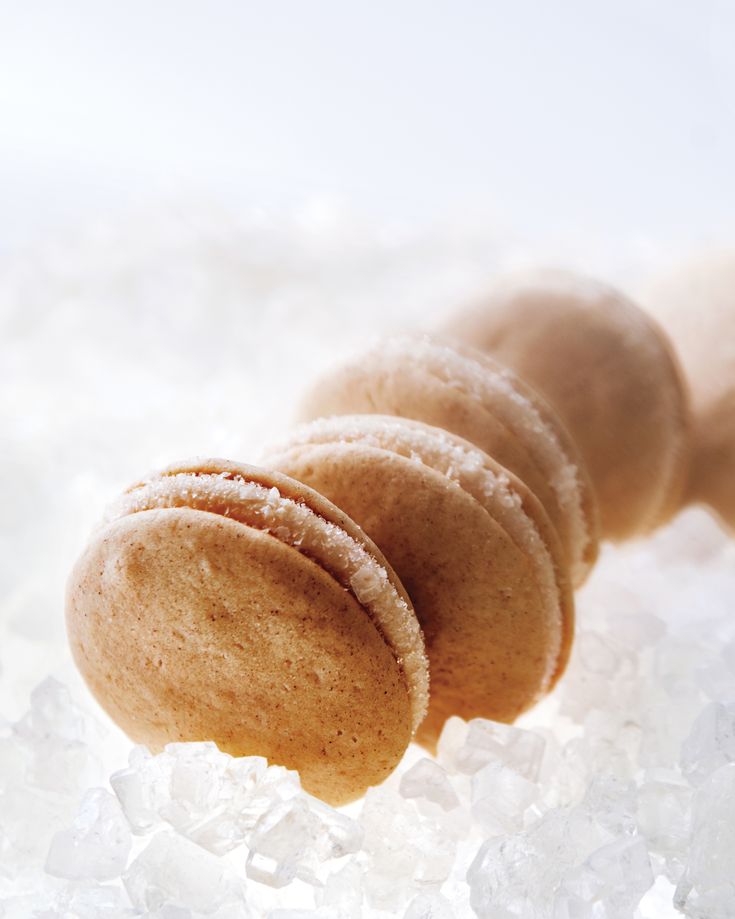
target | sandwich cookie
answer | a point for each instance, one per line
(610, 373)
(224, 602)
(696, 306)
(472, 545)
(470, 395)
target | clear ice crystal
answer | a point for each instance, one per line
(96, 846)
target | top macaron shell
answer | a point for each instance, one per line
(609, 371)
(190, 624)
(473, 397)
(465, 538)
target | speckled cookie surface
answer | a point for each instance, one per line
(470, 545)
(696, 306)
(610, 373)
(476, 399)
(190, 624)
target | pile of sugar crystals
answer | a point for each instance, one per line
(613, 799)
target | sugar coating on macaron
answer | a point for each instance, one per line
(695, 304)
(481, 401)
(609, 371)
(466, 538)
(253, 614)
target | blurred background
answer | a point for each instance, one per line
(202, 204)
(543, 121)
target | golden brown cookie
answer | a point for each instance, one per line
(610, 373)
(472, 545)
(224, 602)
(696, 306)
(472, 396)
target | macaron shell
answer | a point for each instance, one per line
(491, 642)
(711, 479)
(392, 615)
(385, 387)
(532, 508)
(588, 553)
(405, 385)
(221, 632)
(296, 491)
(504, 496)
(610, 373)
(695, 304)
(289, 488)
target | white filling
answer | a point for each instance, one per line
(468, 469)
(328, 544)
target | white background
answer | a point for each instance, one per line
(540, 118)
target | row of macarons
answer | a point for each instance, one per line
(426, 525)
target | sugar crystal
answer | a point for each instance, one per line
(173, 872)
(97, 844)
(711, 742)
(427, 779)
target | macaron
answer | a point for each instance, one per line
(224, 602)
(468, 394)
(471, 544)
(696, 306)
(609, 371)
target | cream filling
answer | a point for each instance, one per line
(326, 543)
(521, 417)
(465, 467)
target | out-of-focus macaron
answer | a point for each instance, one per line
(611, 374)
(225, 602)
(470, 395)
(472, 545)
(696, 306)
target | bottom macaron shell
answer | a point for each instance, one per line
(491, 640)
(190, 626)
